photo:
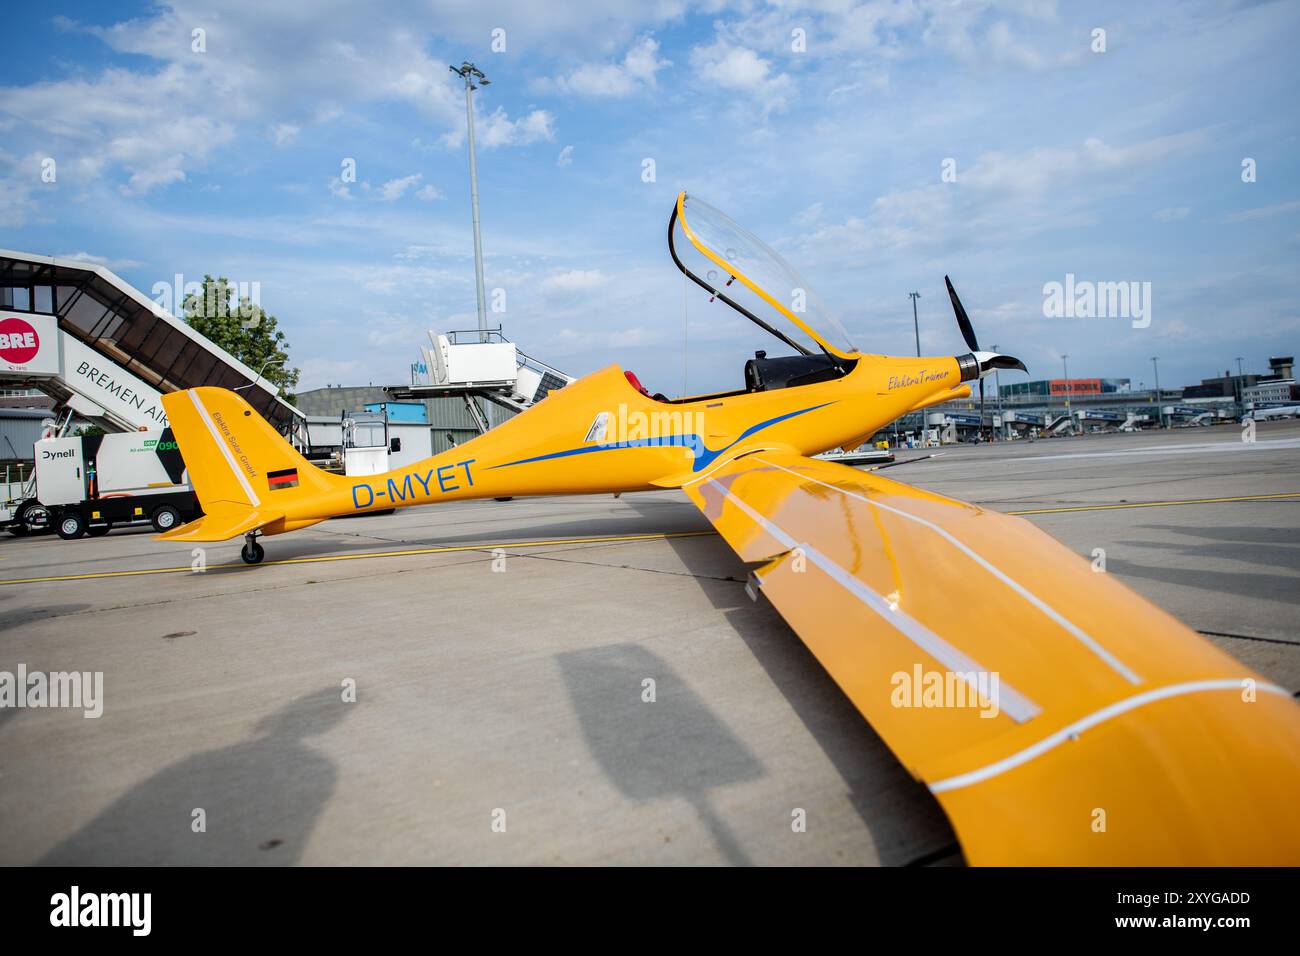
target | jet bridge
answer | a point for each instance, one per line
(104, 350)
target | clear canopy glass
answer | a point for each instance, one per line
(750, 275)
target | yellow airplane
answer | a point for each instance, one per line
(1058, 717)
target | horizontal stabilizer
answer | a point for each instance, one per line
(221, 527)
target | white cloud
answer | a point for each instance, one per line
(565, 158)
(575, 280)
(20, 180)
(809, 216)
(155, 124)
(151, 126)
(498, 129)
(1262, 212)
(1173, 214)
(978, 34)
(395, 188)
(636, 71)
(114, 265)
(741, 69)
(318, 372)
(428, 193)
(1000, 198)
(162, 171)
(285, 133)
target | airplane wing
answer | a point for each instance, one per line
(1058, 717)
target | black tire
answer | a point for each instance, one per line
(32, 517)
(511, 498)
(252, 552)
(164, 518)
(99, 530)
(70, 525)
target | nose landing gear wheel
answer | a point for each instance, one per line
(252, 552)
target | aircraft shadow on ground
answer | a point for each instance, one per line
(1267, 587)
(672, 747)
(23, 616)
(906, 822)
(261, 798)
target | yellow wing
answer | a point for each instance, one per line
(1058, 717)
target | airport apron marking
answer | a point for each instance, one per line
(1159, 504)
(449, 549)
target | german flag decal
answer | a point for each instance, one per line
(288, 478)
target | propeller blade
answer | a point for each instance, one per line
(1006, 362)
(963, 320)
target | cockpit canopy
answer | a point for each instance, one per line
(739, 269)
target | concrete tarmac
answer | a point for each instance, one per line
(499, 654)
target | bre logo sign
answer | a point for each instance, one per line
(19, 342)
(29, 342)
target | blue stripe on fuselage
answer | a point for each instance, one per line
(703, 455)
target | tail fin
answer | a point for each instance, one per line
(245, 474)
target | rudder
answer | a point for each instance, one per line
(238, 463)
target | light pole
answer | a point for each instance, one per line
(1000, 431)
(1065, 370)
(916, 328)
(1160, 405)
(469, 73)
(916, 325)
(1241, 382)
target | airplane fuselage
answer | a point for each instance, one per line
(601, 435)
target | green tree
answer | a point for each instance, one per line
(243, 330)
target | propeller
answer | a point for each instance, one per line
(963, 320)
(984, 360)
(967, 333)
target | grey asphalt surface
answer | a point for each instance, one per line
(516, 694)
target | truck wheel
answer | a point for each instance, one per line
(252, 552)
(164, 518)
(71, 525)
(99, 530)
(32, 517)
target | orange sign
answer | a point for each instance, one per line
(1076, 386)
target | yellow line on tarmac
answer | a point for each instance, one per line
(1156, 504)
(544, 542)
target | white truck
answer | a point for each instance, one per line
(89, 484)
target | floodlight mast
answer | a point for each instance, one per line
(470, 73)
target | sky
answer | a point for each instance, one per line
(877, 145)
